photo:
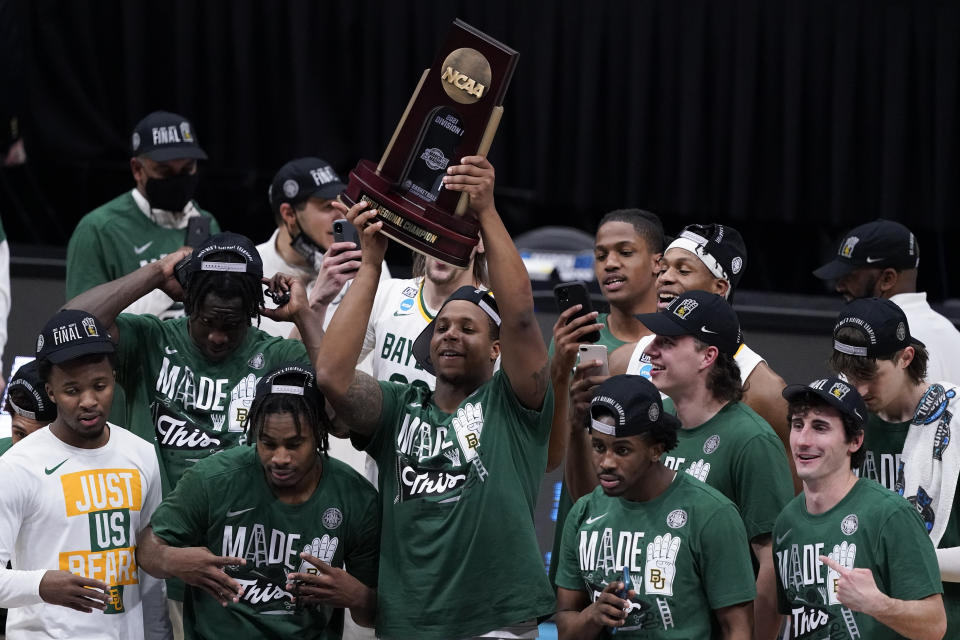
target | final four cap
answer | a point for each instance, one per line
(480, 297)
(705, 316)
(881, 243)
(718, 246)
(163, 136)
(70, 334)
(881, 325)
(227, 242)
(304, 178)
(290, 379)
(34, 403)
(838, 393)
(634, 403)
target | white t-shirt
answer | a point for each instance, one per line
(399, 315)
(274, 263)
(78, 510)
(746, 358)
(938, 335)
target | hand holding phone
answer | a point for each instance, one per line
(343, 231)
(591, 352)
(568, 294)
(198, 230)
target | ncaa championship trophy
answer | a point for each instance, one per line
(454, 112)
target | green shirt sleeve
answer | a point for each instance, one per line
(391, 394)
(362, 561)
(763, 483)
(85, 265)
(908, 556)
(568, 562)
(181, 519)
(726, 569)
(135, 331)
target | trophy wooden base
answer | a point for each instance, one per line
(427, 229)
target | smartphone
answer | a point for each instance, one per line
(343, 231)
(198, 230)
(568, 294)
(591, 352)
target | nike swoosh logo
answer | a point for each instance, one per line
(414, 405)
(783, 537)
(594, 519)
(395, 313)
(872, 260)
(139, 250)
(230, 514)
(48, 471)
(169, 351)
(705, 330)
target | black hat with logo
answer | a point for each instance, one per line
(881, 243)
(882, 326)
(837, 393)
(304, 178)
(71, 334)
(480, 297)
(163, 136)
(719, 247)
(703, 315)
(634, 403)
(34, 402)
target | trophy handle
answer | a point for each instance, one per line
(403, 118)
(492, 125)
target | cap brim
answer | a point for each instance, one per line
(794, 391)
(421, 348)
(328, 191)
(71, 353)
(176, 153)
(834, 269)
(662, 324)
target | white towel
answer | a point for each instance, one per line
(930, 463)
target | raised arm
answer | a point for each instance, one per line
(355, 396)
(107, 300)
(523, 354)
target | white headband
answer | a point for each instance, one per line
(289, 389)
(603, 428)
(694, 244)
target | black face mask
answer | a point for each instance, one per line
(310, 250)
(173, 193)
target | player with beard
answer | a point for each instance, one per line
(853, 560)
(314, 514)
(404, 307)
(713, 258)
(459, 462)
(627, 249)
(686, 555)
(75, 495)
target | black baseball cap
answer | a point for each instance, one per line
(719, 247)
(881, 243)
(35, 404)
(71, 334)
(480, 297)
(838, 393)
(291, 379)
(227, 242)
(304, 178)
(703, 315)
(635, 404)
(881, 324)
(163, 136)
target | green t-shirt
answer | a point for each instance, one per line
(738, 453)
(116, 239)
(5, 443)
(188, 406)
(564, 503)
(869, 528)
(883, 444)
(686, 551)
(459, 551)
(225, 504)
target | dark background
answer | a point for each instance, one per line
(791, 120)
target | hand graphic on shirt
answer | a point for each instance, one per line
(323, 548)
(661, 565)
(240, 400)
(843, 554)
(468, 423)
(699, 470)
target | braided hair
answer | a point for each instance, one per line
(225, 284)
(308, 410)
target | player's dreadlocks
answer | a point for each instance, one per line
(225, 284)
(307, 410)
